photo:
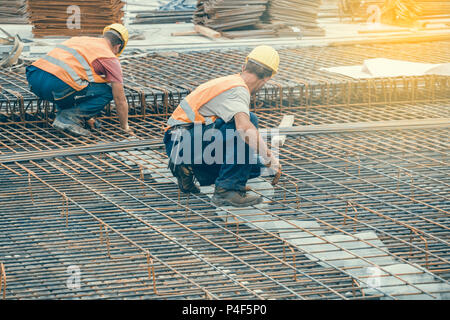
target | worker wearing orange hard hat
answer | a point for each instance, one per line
(81, 76)
(218, 109)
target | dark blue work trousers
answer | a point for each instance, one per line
(84, 103)
(229, 174)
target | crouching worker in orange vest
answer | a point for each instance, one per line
(213, 137)
(81, 76)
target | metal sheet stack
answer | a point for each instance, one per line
(154, 17)
(177, 5)
(13, 11)
(296, 13)
(60, 18)
(223, 15)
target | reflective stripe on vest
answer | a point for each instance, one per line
(188, 109)
(66, 67)
(72, 61)
(209, 120)
(80, 59)
(172, 122)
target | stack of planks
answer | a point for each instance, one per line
(296, 13)
(74, 18)
(223, 15)
(13, 11)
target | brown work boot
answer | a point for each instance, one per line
(223, 197)
(185, 177)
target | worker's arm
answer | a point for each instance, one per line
(251, 136)
(121, 105)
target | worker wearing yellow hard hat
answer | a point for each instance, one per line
(219, 108)
(265, 56)
(81, 76)
(121, 31)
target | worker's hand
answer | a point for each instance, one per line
(277, 176)
(93, 124)
(275, 166)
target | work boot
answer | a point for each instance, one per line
(67, 122)
(71, 128)
(185, 177)
(223, 197)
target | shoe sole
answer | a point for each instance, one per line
(193, 190)
(67, 129)
(225, 203)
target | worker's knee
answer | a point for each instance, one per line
(254, 119)
(94, 98)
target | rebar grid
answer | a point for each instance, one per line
(155, 84)
(18, 136)
(55, 213)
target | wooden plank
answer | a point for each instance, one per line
(363, 126)
(207, 32)
(184, 33)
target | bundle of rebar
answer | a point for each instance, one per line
(229, 14)
(13, 11)
(297, 13)
(81, 17)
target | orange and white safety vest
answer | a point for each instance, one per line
(188, 110)
(72, 60)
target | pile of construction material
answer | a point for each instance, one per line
(156, 16)
(408, 12)
(74, 18)
(223, 15)
(239, 19)
(398, 12)
(301, 14)
(162, 11)
(13, 11)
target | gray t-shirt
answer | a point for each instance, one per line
(227, 104)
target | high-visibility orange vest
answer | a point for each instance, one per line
(72, 60)
(188, 110)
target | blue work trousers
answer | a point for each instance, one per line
(229, 174)
(85, 103)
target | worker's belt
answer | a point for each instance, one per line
(189, 125)
(185, 126)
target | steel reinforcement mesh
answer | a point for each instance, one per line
(155, 83)
(356, 215)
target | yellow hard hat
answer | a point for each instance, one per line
(121, 30)
(267, 56)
